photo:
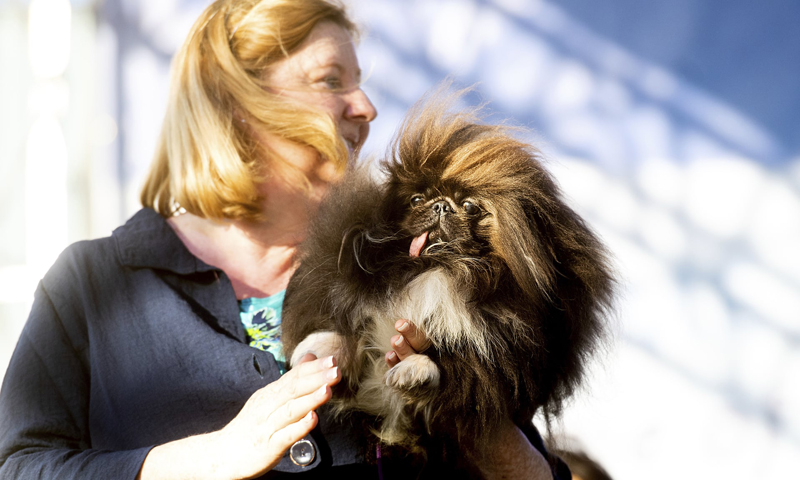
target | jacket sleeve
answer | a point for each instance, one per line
(44, 407)
(558, 468)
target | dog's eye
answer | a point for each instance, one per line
(417, 200)
(471, 208)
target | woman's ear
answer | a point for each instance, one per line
(238, 115)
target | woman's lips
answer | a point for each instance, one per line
(352, 145)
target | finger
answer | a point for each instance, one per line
(310, 364)
(391, 359)
(296, 409)
(416, 340)
(302, 380)
(307, 358)
(284, 438)
(401, 347)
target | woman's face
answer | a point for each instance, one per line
(324, 73)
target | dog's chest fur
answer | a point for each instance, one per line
(438, 307)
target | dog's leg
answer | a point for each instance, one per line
(414, 371)
(321, 344)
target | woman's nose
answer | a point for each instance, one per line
(359, 107)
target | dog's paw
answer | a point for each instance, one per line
(415, 371)
(321, 344)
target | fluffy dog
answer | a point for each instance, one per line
(470, 239)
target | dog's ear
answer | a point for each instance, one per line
(367, 246)
(517, 238)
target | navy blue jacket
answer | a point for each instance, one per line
(133, 342)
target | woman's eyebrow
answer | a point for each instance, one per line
(339, 67)
(330, 64)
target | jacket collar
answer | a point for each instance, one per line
(147, 240)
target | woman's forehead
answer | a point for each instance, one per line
(327, 46)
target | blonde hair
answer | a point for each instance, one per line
(206, 160)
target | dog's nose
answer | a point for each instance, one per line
(442, 208)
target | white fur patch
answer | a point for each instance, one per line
(433, 303)
(413, 371)
(321, 344)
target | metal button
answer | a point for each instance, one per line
(302, 453)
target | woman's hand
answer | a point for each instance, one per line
(511, 455)
(408, 341)
(274, 417)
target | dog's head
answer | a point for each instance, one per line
(462, 187)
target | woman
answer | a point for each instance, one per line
(136, 359)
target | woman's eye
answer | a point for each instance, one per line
(417, 200)
(334, 83)
(471, 208)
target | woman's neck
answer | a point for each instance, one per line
(259, 258)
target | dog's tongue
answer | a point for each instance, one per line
(417, 244)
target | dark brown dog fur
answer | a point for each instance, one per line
(534, 280)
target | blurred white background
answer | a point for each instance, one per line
(672, 125)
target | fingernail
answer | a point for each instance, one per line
(402, 327)
(329, 362)
(333, 373)
(309, 416)
(322, 392)
(399, 341)
(391, 355)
